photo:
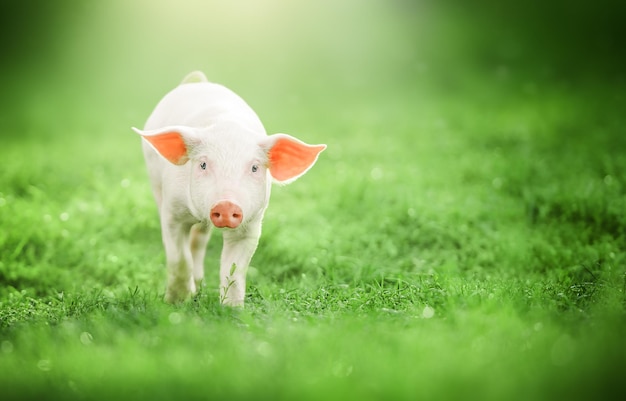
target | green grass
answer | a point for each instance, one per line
(462, 237)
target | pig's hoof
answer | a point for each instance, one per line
(176, 297)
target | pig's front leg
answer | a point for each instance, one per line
(180, 283)
(239, 246)
(200, 235)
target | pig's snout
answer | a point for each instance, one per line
(226, 214)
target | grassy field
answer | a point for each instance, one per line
(463, 237)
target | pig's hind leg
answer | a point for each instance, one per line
(199, 237)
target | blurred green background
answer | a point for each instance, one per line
(463, 235)
(117, 58)
(79, 69)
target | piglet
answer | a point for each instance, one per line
(211, 164)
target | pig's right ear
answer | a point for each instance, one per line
(173, 143)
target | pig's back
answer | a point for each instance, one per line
(200, 105)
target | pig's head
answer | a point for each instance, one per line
(230, 169)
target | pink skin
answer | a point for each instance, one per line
(211, 164)
(226, 214)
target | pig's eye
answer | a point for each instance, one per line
(203, 165)
(255, 168)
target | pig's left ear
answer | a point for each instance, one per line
(288, 157)
(173, 143)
